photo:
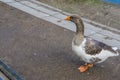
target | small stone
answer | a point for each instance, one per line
(65, 29)
(92, 32)
(88, 73)
(59, 20)
(102, 66)
(34, 54)
(112, 63)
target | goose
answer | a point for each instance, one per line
(89, 50)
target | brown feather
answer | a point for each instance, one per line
(94, 47)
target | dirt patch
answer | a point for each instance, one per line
(100, 12)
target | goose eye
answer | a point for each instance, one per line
(71, 17)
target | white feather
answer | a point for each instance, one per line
(114, 48)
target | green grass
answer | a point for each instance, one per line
(73, 2)
(76, 6)
(72, 5)
(92, 1)
(81, 1)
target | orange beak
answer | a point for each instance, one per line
(68, 18)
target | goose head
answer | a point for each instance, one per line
(78, 21)
(73, 18)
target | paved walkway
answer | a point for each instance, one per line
(97, 31)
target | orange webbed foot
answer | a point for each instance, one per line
(85, 67)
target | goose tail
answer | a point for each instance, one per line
(117, 51)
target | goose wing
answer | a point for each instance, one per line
(94, 47)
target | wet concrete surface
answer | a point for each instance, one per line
(39, 50)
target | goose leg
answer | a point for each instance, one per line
(85, 67)
(90, 65)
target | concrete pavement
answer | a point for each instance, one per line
(38, 49)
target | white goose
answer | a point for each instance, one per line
(89, 50)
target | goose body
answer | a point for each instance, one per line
(97, 54)
(89, 50)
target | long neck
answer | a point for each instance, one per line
(79, 32)
(79, 27)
